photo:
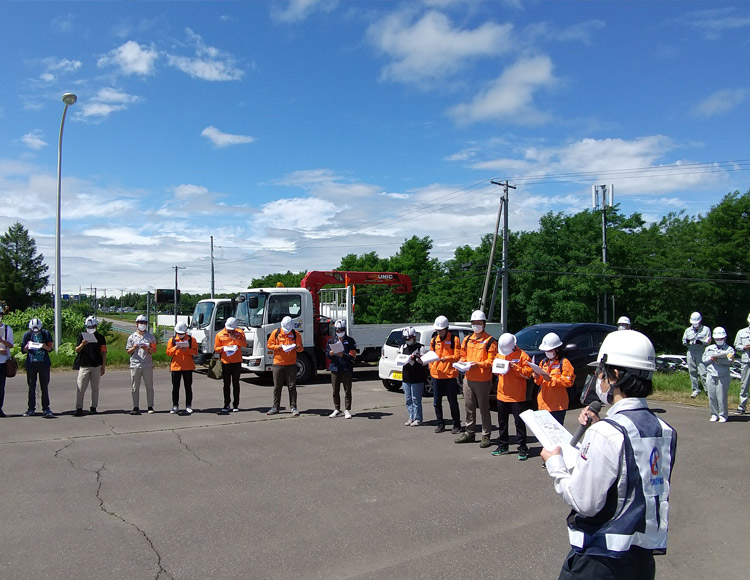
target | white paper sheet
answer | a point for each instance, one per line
(337, 347)
(551, 434)
(538, 370)
(402, 359)
(230, 349)
(34, 345)
(462, 366)
(182, 344)
(430, 357)
(288, 347)
(500, 366)
(89, 337)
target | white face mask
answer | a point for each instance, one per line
(477, 328)
(409, 341)
(142, 326)
(341, 334)
(720, 341)
(696, 324)
(550, 354)
(604, 397)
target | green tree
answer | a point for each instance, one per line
(22, 270)
(289, 280)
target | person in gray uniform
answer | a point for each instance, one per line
(742, 347)
(718, 358)
(696, 338)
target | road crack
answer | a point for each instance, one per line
(190, 449)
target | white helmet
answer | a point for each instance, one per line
(92, 322)
(340, 325)
(180, 327)
(286, 324)
(35, 325)
(140, 318)
(441, 322)
(506, 344)
(695, 318)
(409, 331)
(624, 320)
(478, 315)
(630, 350)
(719, 332)
(550, 342)
(748, 318)
(231, 323)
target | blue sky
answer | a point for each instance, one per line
(298, 131)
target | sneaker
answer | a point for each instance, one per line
(78, 413)
(416, 423)
(740, 411)
(189, 410)
(135, 411)
(2, 415)
(272, 411)
(92, 410)
(227, 410)
(335, 413)
(714, 418)
(501, 450)
(694, 394)
(722, 419)
(408, 423)
(485, 442)
(455, 431)
(466, 437)
(347, 414)
(48, 413)
(174, 410)
(523, 454)
(236, 410)
(295, 412)
(29, 413)
(440, 428)
(151, 411)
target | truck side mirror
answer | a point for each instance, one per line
(252, 302)
(200, 319)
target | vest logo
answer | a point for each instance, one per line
(654, 461)
(585, 452)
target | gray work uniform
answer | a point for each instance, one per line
(741, 342)
(696, 340)
(717, 377)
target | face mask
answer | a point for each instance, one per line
(550, 354)
(409, 341)
(341, 334)
(622, 327)
(605, 397)
(142, 326)
(720, 342)
(91, 329)
(477, 328)
(696, 324)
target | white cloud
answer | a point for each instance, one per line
(298, 10)
(713, 23)
(55, 66)
(131, 58)
(104, 103)
(510, 97)
(221, 139)
(721, 102)
(208, 64)
(34, 140)
(463, 155)
(432, 48)
(298, 214)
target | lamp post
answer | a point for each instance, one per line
(68, 99)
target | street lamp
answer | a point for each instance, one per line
(68, 99)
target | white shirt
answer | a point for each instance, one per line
(6, 332)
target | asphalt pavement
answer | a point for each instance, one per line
(250, 496)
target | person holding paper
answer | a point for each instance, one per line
(478, 350)
(696, 338)
(37, 344)
(511, 394)
(718, 359)
(447, 347)
(229, 343)
(182, 348)
(341, 350)
(742, 347)
(414, 375)
(619, 486)
(91, 363)
(555, 377)
(284, 343)
(140, 346)
(6, 343)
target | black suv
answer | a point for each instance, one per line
(581, 342)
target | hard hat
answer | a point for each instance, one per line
(748, 318)
(719, 332)
(180, 327)
(340, 325)
(550, 342)
(35, 324)
(409, 331)
(624, 320)
(695, 318)
(628, 349)
(478, 315)
(91, 322)
(286, 324)
(231, 323)
(141, 318)
(441, 322)
(506, 344)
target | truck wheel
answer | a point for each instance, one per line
(393, 386)
(304, 369)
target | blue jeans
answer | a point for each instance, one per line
(413, 393)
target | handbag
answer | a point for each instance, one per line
(11, 365)
(214, 368)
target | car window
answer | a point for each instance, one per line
(281, 305)
(581, 339)
(598, 337)
(530, 338)
(395, 339)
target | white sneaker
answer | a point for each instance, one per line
(174, 411)
(347, 415)
(714, 418)
(408, 423)
(415, 423)
(189, 410)
(722, 419)
(295, 413)
(335, 413)
(236, 410)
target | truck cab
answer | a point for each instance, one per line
(209, 317)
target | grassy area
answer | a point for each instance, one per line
(676, 387)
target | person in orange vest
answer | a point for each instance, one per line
(229, 342)
(478, 349)
(182, 348)
(553, 394)
(445, 344)
(284, 343)
(511, 394)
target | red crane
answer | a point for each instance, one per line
(316, 279)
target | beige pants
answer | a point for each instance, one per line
(147, 374)
(88, 375)
(477, 393)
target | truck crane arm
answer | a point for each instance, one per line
(316, 279)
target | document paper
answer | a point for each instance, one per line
(551, 434)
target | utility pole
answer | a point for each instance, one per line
(506, 244)
(175, 290)
(212, 266)
(483, 303)
(596, 190)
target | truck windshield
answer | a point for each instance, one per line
(202, 315)
(250, 311)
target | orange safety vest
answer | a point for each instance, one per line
(481, 350)
(511, 387)
(448, 349)
(276, 339)
(553, 395)
(182, 358)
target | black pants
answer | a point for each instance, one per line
(2, 385)
(338, 379)
(230, 372)
(503, 413)
(637, 563)
(187, 379)
(449, 389)
(34, 370)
